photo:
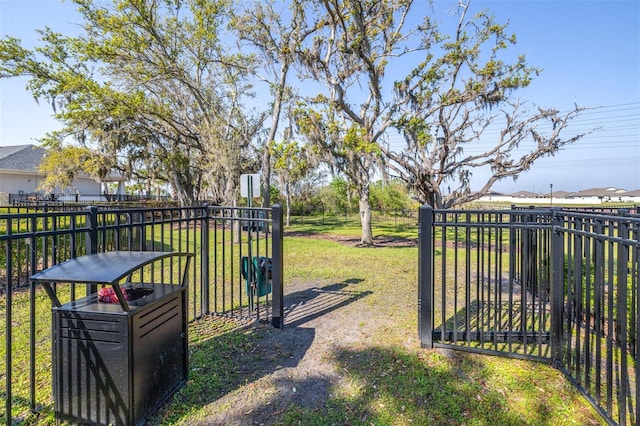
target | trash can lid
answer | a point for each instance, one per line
(101, 268)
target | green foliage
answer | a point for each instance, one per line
(147, 83)
(60, 166)
(290, 161)
(391, 197)
(335, 197)
(275, 195)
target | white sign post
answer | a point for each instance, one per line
(250, 186)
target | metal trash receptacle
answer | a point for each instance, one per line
(115, 363)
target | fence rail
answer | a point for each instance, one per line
(548, 285)
(219, 237)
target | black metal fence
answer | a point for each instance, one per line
(542, 284)
(221, 278)
(37, 198)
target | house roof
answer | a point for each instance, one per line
(525, 194)
(598, 192)
(26, 158)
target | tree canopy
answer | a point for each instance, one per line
(150, 83)
(167, 89)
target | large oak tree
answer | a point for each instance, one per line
(353, 45)
(151, 83)
(462, 115)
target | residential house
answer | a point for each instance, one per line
(592, 196)
(598, 195)
(20, 176)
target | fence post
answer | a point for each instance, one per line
(91, 244)
(557, 288)
(137, 233)
(204, 258)
(277, 250)
(425, 274)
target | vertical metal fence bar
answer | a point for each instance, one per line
(610, 295)
(8, 321)
(622, 273)
(513, 238)
(579, 304)
(478, 267)
(497, 273)
(467, 290)
(543, 282)
(32, 314)
(557, 291)
(277, 318)
(525, 277)
(223, 262)
(456, 281)
(583, 226)
(217, 223)
(92, 234)
(267, 229)
(204, 262)
(425, 274)
(444, 228)
(91, 242)
(571, 281)
(480, 277)
(634, 317)
(598, 301)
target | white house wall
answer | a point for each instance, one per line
(13, 183)
(84, 186)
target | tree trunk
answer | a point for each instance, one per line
(288, 198)
(365, 218)
(266, 178)
(186, 199)
(266, 158)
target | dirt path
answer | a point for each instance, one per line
(297, 360)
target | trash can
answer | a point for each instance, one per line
(115, 363)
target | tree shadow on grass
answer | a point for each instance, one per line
(396, 386)
(230, 359)
(303, 306)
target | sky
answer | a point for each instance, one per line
(589, 51)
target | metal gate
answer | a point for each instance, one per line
(548, 285)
